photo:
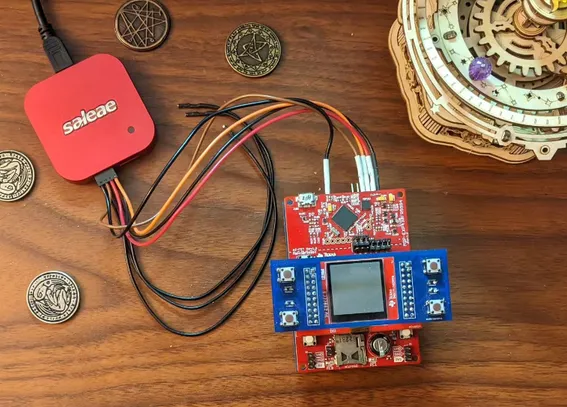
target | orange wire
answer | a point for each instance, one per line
(185, 178)
(278, 99)
(287, 103)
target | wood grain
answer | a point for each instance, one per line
(503, 225)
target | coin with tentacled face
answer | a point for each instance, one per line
(253, 50)
(17, 176)
(53, 297)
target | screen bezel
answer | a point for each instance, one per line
(368, 316)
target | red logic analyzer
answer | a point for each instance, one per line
(89, 118)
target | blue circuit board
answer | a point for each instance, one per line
(361, 290)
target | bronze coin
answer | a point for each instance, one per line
(53, 297)
(142, 25)
(253, 50)
(17, 176)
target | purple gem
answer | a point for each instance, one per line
(480, 69)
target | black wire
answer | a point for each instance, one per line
(225, 285)
(176, 155)
(252, 253)
(134, 267)
(109, 209)
(250, 256)
(269, 225)
(327, 118)
(40, 14)
(371, 148)
(247, 127)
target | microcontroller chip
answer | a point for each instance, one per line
(366, 205)
(345, 218)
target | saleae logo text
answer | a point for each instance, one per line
(88, 117)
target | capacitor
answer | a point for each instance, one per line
(380, 345)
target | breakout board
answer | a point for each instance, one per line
(360, 291)
(346, 223)
(342, 349)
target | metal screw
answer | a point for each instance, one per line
(450, 35)
(544, 150)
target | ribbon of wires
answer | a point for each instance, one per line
(165, 221)
(261, 158)
(125, 224)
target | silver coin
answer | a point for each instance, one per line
(53, 297)
(17, 175)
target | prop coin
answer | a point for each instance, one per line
(17, 176)
(253, 50)
(142, 25)
(53, 297)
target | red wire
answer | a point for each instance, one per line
(119, 201)
(209, 174)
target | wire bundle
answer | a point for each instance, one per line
(144, 233)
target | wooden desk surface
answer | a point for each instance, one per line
(503, 225)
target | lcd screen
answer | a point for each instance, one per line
(357, 291)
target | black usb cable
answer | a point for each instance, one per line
(53, 46)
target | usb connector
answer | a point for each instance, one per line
(52, 45)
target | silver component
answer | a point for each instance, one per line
(311, 295)
(350, 350)
(450, 35)
(355, 199)
(286, 274)
(406, 334)
(381, 345)
(436, 307)
(334, 230)
(432, 267)
(309, 340)
(306, 200)
(289, 318)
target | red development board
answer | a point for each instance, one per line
(325, 226)
(329, 353)
(316, 231)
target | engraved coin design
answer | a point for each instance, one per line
(17, 176)
(142, 25)
(53, 297)
(253, 50)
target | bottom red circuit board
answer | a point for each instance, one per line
(319, 351)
